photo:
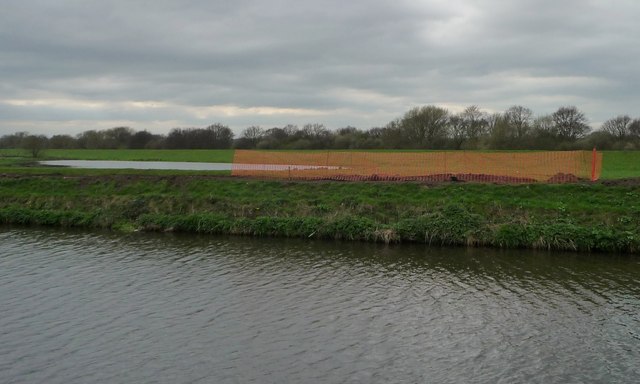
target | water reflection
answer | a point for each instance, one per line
(104, 307)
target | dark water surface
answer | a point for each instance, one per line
(86, 307)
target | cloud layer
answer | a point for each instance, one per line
(68, 65)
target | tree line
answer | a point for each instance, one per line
(425, 127)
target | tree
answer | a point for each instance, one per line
(14, 140)
(468, 127)
(350, 138)
(91, 140)
(249, 138)
(391, 136)
(317, 135)
(618, 126)
(570, 123)
(425, 127)
(519, 119)
(63, 142)
(215, 136)
(140, 139)
(544, 133)
(221, 136)
(474, 121)
(35, 144)
(501, 132)
(118, 137)
(457, 131)
(634, 128)
(253, 133)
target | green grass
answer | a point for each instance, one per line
(564, 217)
(620, 164)
(192, 155)
(567, 217)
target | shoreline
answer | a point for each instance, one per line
(564, 217)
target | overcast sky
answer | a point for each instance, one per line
(71, 65)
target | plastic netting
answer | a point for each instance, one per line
(493, 167)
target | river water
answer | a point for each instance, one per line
(93, 307)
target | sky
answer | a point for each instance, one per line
(67, 66)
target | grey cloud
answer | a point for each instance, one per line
(316, 56)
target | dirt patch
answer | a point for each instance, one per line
(436, 178)
(559, 178)
(626, 182)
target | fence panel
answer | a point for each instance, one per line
(495, 167)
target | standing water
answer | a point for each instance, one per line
(86, 307)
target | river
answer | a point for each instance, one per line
(101, 307)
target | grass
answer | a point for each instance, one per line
(567, 217)
(620, 164)
(564, 217)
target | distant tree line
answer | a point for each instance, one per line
(426, 127)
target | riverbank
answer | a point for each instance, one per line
(578, 217)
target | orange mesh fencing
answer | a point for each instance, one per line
(494, 167)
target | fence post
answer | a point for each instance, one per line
(593, 164)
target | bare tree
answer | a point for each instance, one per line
(220, 136)
(13, 140)
(501, 133)
(315, 136)
(141, 139)
(250, 137)
(519, 119)
(457, 130)
(253, 132)
(618, 126)
(570, 123)
(91, 139)
(62, 142)
(634, 128)
(118, 137)
(425, 126)
(543, 133)
(474, 122)
(35, 144)
(493, 120)
(544, 125)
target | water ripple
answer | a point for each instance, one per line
(100, 307)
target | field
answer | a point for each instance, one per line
(601, 216)
(616, 164)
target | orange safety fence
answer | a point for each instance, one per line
(493, 167)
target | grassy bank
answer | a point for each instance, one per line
(561, 217)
